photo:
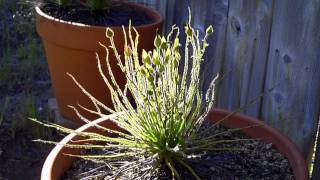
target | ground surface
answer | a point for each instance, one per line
(24, 90)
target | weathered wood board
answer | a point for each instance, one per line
(293, 63)
(259, 45)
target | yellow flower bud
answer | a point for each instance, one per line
(189, 30)
(157, 41)
(176, 44)
(146, 57)
(168, 54)
(109, 33)
(151, 79)
(156, 58)
(163, 43)
(210, 30)
(127, 51)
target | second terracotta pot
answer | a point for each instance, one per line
(57, 163)
(71, 47)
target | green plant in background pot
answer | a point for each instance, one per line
(92, 4)
(166, 129)
(70, 31)
(98, 4)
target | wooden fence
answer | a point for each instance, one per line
(258, 45)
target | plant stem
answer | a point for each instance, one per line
(172, 168)
(189, 168)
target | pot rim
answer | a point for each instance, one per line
(297, 162)
(155, 15)
(51, 158)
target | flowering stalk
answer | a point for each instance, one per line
(163, 126)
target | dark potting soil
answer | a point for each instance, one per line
(248, 160)
(116, 15)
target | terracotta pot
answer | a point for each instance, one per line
(57, 163)
(71, 47)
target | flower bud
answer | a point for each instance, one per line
(175, 62)
(168, 54)
(156, 58)
(189, 31)
(163, 43)
(151, 79)
(149, 68)
(161, 68)
(150, 92)
(109, 33)
(210, 30)
(157, 41)
(176, 44)
(127, 51)
(144, 71)
(146, 57)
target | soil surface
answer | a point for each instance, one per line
(249, 160)
(116, 15)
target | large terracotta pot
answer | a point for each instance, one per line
(71, 47)
(57, 163)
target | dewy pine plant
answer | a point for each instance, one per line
(163, 126)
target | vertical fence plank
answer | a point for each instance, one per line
(293, 64)
(215, 13)
(246, 47)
